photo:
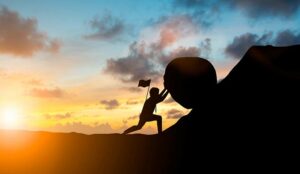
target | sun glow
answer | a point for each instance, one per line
(10, 118)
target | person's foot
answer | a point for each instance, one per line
(125, 132)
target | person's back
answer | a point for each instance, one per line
(150, 105)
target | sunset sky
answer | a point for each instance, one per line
(74, 65)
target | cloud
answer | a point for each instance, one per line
(132, 102)
(240, 44)
(47, 93)
(110, 104)
(173, 28)
(266, 8)
(207, 12)
(169, 100)
(148, 59)
(174, 114)
(134, 89)
(125, 121)
(206, 47)
(54, 46)
(83, 128)
(58, 116)
(20, 37)
(33, 82)
(106, 28)
(2, 73)
(133, 117)
(202, 11)
(164, 59)
(287, 37)
(137, 65)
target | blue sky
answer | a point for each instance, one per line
(76, 53)
(68, 20)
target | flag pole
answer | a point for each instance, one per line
(147, 92)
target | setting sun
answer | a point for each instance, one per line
(10, 118)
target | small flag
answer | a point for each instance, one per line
(144, 83)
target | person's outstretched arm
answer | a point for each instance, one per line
(164, 93)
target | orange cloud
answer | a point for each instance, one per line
(133, 102)
(174, 114)
(47, 93)
(167, 37)
(169, 100)
(174, 28)
(33, 82)
(58, 116)
(110, 104)
(20, 37)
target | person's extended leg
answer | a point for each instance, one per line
(135, 128)
(158, 119)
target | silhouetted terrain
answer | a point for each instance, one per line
(262, 92)
(251, 119)
(260, 95)
(248, 122)
(41, 152)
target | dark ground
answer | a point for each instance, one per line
(42, 152)
(70, 153)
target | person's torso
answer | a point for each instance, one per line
(149, 106)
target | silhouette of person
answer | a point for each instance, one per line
(147, 111)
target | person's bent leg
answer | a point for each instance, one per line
(131, 129)
(134, 128)
(159, 123)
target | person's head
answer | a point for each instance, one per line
(190, 80)
(154, 91)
